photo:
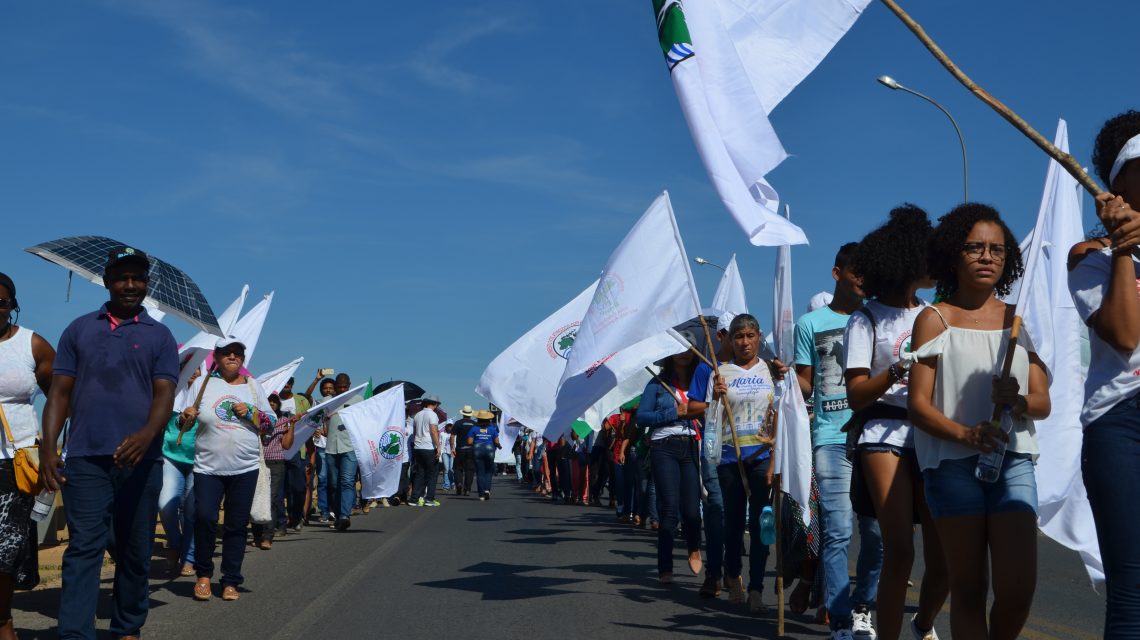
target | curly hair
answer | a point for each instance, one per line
(1115, 132)
(893, 256)
(946, 248)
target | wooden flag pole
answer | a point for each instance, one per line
(777, 494)
(727, 410)
(183, 428)
(1064, 159)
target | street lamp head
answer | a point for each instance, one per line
(888, 82)
(700, 260)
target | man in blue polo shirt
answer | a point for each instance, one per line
(115, 374)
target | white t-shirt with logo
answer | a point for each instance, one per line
(892, 337)
(1113, 375)
(422, 424)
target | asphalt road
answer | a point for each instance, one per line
(513, 567)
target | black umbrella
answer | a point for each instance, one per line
(170, 289)
(411, 389)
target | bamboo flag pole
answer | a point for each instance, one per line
(779, 555)
(727, 410)
(1064, 159)
(183, 426)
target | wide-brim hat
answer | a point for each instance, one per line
(483, 414)
(467, 411)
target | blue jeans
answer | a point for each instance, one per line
(324, 485)
(735, 504)
(176, 508)
(116, 506)
(833, 476)
(1112, 479)
(342, 470)
(448, 462)
(714, 520)
(676, 472)
(619, 485)
(484, 467)
(519, 466)
(648, 508)
(209, 491)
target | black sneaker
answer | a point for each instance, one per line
(342, 525)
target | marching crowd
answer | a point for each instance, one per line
(903, 436)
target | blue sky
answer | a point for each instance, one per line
(421, 183)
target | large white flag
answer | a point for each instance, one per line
(625, 391)
(1044, 303)
(376, 428)
(523, 379)
(248, 328)
(646, 288)
(315, 417)
(793, 432)
(729, 294)
(273, 381)
(195, 351)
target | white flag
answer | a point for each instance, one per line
(523, 379)
(730, 292)
(248, 328)
(315, 416)
(194, 352)
(646, 288)
(376, 428)
(624, 392)
(508, 433)
(793, 432)
(793, 445)
(726, 119)
(273, 381)
(783, 314)
(1046, 307)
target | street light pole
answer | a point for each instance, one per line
(700, 260)
(893, 84)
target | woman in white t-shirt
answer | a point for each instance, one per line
(1104, 283)
(986, 528)
(25, 370)
(891, 260)
(233, 412)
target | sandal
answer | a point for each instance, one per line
(202, 591)
(265, 545)
(187, 570)
(230, 593)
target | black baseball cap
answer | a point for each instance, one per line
(123, 254)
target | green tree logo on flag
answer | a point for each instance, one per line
(672, 32)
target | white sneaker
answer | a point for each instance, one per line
(861, 625)
(918, 634)
(842, 634)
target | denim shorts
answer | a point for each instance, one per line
(952, 490)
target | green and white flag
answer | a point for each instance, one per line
(376, 428)
(731, 64)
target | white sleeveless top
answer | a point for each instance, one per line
(18, 389)
(968, 359)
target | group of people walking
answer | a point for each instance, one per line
(903, 435)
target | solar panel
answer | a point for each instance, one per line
(169, 288)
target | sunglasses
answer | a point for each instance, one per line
(222, 353)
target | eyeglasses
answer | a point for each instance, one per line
(5, 303)
(976, 249)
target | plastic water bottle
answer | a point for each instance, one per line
(42, 506)
(767, 526)
(989, 464)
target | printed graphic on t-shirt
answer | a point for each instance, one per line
(829, 348)
(901, 348)
(224, 409)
